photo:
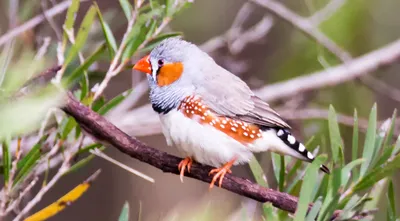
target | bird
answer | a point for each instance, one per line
(210, 115)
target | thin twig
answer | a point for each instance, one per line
(309, 27)
(332, 76)
(235, 37)
(326, 12)
(34, 22)
(100, 154)
(64, 167)
(304, 25)
(115, 66)
(50, 20)
(13, 13)
(13, 205)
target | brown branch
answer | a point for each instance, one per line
(105, 132)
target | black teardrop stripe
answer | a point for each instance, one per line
(162, 109)
(284, 137)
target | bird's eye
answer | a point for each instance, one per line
(160, 62)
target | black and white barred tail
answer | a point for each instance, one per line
(295, 145)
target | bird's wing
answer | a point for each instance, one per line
(227, 95)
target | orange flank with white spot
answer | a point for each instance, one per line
(243, 132)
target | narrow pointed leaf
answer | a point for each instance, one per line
(64, 201)
(369, 145)
(378, 173)
(78, 73)
(82, 35)
(392, 204)
(260, 178)
(70, 18)
(314, 210)
(110, 39)
(158, 39)
(127, 8)
(124, 215)
(389, 135)
(29, 161)
(114, 102)
(6, 159)
(307, 188)
(334, 134)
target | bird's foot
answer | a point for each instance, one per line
(187, 162)
(220, 173)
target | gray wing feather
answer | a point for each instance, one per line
(228, 95)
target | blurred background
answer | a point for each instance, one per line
(275, 52)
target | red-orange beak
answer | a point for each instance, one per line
(143, 65)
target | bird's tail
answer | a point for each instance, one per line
(297, 149)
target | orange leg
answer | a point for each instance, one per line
(220, 173)
(187, 162)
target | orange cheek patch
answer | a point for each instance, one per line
(241, 131)
(169, 73)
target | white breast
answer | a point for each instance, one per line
(204, 143)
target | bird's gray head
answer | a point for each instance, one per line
(173, 68)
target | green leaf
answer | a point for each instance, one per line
(354, 153)
(169, 9)
(124, 216)
(369, 145)
(347, 170)
(260, 177)
(396, 146)
(276, 165)
(84, 86)
(348, 210)
(307, 188)
(67, 126)
(377, 174)
(389, 135)
(82, 35)
(258, 172)
(110, 39)
(332, 197)
(26, 164)
(78, 73)
(127, 8)
(70, 18)
(89, 147)
(137, 35)
(83, 162)
(387, 153)
(391, 210)
(312, 215)
(323, 186)
(114, 102)
(334, 134)
(282, 173)
(158, 39)
(152, 28)
(32, 152)
(6, 158)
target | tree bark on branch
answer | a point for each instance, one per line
(108, 134)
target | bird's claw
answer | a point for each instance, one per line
(185, 163)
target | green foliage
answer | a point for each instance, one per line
(345, 188)
(350, 186)
(124, 216)
(31, 110)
